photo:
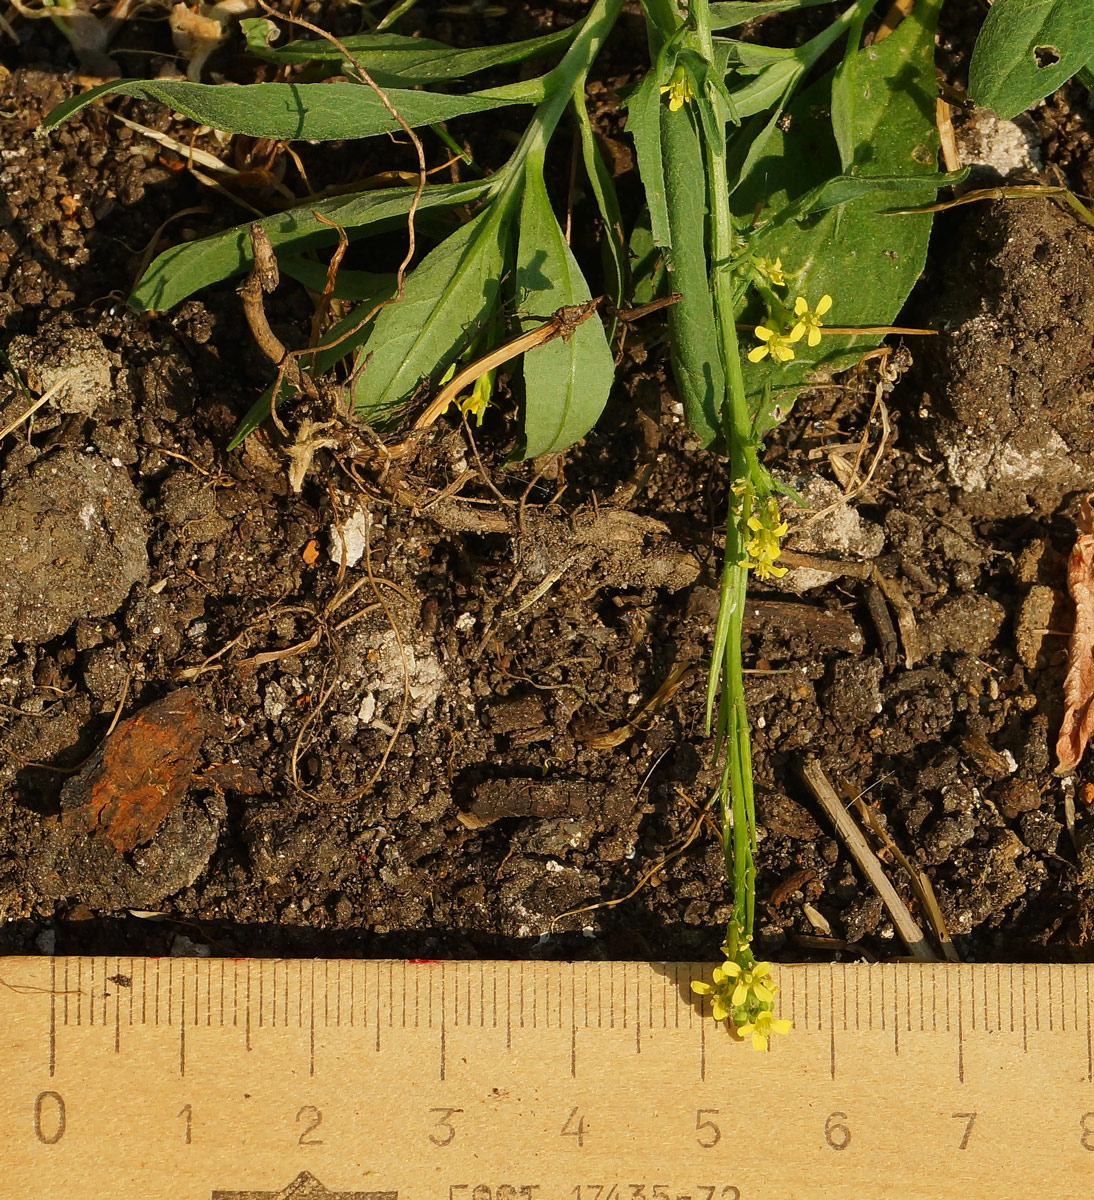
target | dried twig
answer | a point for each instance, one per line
(835, 809)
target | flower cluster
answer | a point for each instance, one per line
(762, 529)
(744, 992)
(776, 341)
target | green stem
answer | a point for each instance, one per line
(737, 424)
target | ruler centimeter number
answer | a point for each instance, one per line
(265, 1079)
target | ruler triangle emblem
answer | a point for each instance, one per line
(304, 1187)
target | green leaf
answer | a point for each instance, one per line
(852, 81)
(693, 329)
(566, 381)
(1027, 49)
(319, 112)
(348, 284)
(183, 270)
(408, 60)
(612, 243)
(725, 16)
(776, 72)
(644, 125)
(843, 242)
(446, 299)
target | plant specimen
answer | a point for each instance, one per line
(770, 184)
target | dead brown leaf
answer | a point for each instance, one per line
(141, 773)
(1078, 722)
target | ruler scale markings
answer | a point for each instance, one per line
(247, 1010)
(908, 1005)
(573, 1023)
(972, 995)
(1011, 996)
(938, 973)
(1025, 1015)
(53, 1017)
(703, 1047)
(1089, 1045)
(182, 1024)
(896, 1012)
(508, 1008)
(637, 1015)
(444, 1009)
(832, 1024)
(311, 1016)
(992, 1076)
(376, 1005)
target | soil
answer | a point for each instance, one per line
(455, 709)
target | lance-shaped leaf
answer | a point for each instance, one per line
(183, 270)
(317, 112)
(566, 381)
(447, 298)
(410, 61)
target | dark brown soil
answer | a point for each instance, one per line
(428, 738)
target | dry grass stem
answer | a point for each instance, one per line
(858, 847)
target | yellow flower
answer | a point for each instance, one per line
(809, 321)
(774, 343)
(722, 991)
(477, 401)
(679, 89)
(761, 1027)
(773, 270)
(763, 547)
(757, 981)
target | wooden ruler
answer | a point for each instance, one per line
(249, 1079)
